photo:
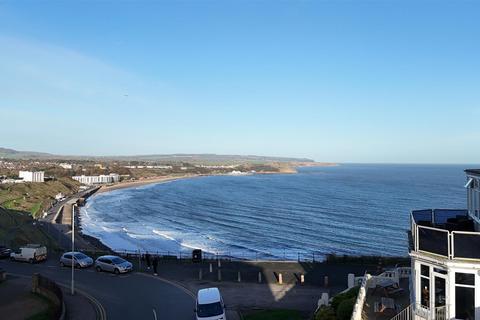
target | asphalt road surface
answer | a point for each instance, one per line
(127, 296)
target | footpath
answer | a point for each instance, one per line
(17, 302)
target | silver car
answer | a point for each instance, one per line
(113, 264)
(79, 260)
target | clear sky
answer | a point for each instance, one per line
(346, 81)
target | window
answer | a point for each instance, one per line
(440, 292)
(465, 278)
(464, 296)
(425, 286)
(68, 256)
(425, 270)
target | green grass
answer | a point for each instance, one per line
(274, 315)
(17, 229)
(35, 209)
(34, 197)
(46, 314)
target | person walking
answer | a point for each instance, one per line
(147, 259)
(155, 265)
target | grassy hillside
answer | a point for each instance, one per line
(34, 197)
(18, 228)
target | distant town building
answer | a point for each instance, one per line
(65, 165)
(101, 179)
(148, 167)
(32, 176)
(5, 181)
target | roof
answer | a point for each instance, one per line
(209, 295)
(475, 172)
(108, 257)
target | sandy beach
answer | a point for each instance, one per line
(146, 181)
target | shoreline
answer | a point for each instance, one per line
(97, 242)
(147, 181)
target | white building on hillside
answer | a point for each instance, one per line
(32, 176)
(101, 179)
(66, 166)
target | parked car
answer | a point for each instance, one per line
(31, 253)
(113, 264)
(79, 260)
(209, 305)
(5, 252)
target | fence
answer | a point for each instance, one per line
(230, 255)
(434, 232)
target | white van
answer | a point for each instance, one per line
(30, 253)
(210, 305)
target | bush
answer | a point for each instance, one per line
(325, 313)
(345, 309)
(339, 298)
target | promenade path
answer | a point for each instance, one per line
(129, 296)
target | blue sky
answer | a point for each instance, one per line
(346, 81)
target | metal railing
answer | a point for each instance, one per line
(230, 255)
(405, 314)
(416, 310)
(430, 234)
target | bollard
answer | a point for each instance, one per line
(200, 274)
(219, 276)
(259, 277)
(325, 281)
(280, 278)
(35, 281)
(351, 280)
(211, 268)
(302, 278)
(239, 278)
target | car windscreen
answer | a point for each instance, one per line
(118, 260)
(209, 309)
(80, 256)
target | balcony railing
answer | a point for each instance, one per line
(446, 233)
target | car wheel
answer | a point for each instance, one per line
(30, 260)
(98, 269)
(116, 271)
(62, 264)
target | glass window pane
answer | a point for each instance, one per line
(465, 278)
(464, 303)
(437, 270)
(439, 292)
(425, 292)
(425, 270)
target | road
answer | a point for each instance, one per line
(129, 296)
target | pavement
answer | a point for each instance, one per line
(128, 296)
(17, 301)
(140, 295)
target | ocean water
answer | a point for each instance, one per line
(347, 209)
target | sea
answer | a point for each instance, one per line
(349, 209)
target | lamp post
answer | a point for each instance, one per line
(73, 249)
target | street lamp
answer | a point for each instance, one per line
(73, 248)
